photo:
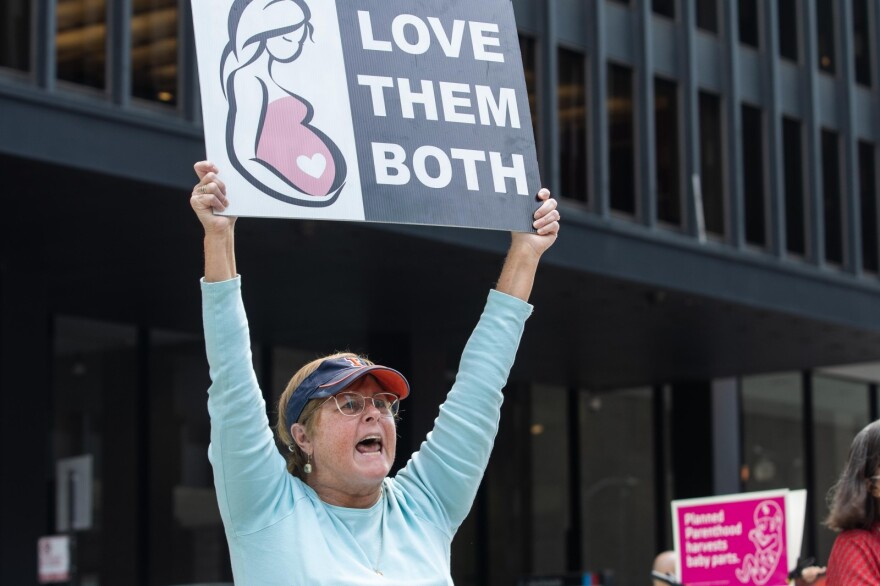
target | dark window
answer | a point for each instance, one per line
(528, 50)
(754, 192)
(155, 516)
(826, 24)
(707, 15)
(712, 163)
(789, 29)
(862, 41)
(772, 428)
(664, 7)
(80, 42)
(868, 198)
(840, 410)
(621, 139)
(572, 125)
(154, 50)
(667, 151)
(793, 161)
(833, 197)
(15, 27)
(749, 23)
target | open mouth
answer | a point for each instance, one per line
(370, 445)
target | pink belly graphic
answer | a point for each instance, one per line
(294, 150)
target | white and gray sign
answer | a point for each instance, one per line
(375, 110)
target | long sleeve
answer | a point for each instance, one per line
(444, 475)
(855, 559)
(249, 473)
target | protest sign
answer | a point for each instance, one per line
(741, 539)
(375, 110)
(53, 559)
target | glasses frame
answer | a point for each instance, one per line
(393, 408)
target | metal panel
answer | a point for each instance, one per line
(751, 75)
(791, 90)
(144, 147)
(528, 16)
(710, 62)
(691, 134)
(735, 197)
(726, 417)
(665, 47)
(816, 229)
(119, 52)
(572, 25)
(644, 94)
(598, 95)
(829, 96)
(852, 224)
(548, 78)
(620, 35)
(44, 44)
(865, 114)
(775, 158)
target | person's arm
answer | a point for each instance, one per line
(442, 478)
(249, 473)
(518, 273)
(210, 195)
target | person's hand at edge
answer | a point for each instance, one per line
(208, 196)
(518, 275)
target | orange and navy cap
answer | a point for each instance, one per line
(336, 374)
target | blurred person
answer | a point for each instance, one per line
(855, 514)
(664, 565)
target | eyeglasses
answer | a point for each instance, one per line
(874, 478)
(352, 404)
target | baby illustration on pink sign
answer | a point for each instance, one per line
(767, 536)
(275, 146)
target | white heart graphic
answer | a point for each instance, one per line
(313, 166)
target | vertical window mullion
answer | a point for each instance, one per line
(119, 51)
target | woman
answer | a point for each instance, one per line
(329, 514)
(855, 557)
(276, 148)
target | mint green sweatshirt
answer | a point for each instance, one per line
(281, 533)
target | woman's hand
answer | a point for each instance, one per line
(811, 574)
(208, 196)
(518, 273)
(546, 223)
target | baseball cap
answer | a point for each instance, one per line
(336, 374)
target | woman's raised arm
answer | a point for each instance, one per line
(518, 273)
(209, 195)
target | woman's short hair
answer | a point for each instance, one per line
(295, 457)
(851, 502)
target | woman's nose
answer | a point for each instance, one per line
(370, 410)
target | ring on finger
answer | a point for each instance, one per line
(203, 189)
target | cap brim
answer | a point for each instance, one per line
(391, 381)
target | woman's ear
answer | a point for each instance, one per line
(301, 437)
(874, 489)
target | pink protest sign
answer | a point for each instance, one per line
(732, 541)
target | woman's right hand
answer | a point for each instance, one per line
(208, 196)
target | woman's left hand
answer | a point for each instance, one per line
(546, 222)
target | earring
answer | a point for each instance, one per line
(290, 448)
(308, 467)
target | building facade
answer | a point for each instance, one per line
(706, 324)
